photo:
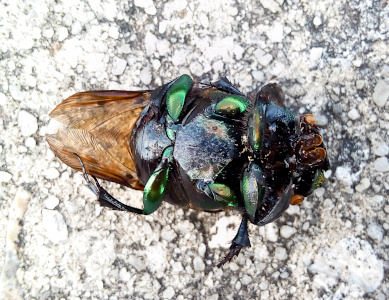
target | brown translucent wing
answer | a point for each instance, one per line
(100, 125)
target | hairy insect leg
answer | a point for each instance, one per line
(240, 241)
(105, 199)
(224, 85)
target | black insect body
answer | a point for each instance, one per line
(206, 147)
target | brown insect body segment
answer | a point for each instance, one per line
(99, 130)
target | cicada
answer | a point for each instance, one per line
(206, 147)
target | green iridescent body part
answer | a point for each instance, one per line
(156, 185)
(231, 106)
(253, 189)
(256, 128)
(219, 192)
(175, 96)
(175, 99)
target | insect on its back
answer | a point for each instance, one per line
(206, 147)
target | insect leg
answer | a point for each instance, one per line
(228, 107)
(175, 99)
(219, 192)
(240, 241)
(155, 187)
(91, 186)
(224, 85)
(253, 189)
(104, 198)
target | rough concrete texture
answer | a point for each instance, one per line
(330, 57)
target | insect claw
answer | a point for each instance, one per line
(96, 181)
(205, 83)
(240, 241)
(234, 251)
(91, 186)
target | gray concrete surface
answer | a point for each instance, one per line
(330, 57)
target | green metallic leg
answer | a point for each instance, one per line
(156, 185)
(152, 194)
(256, 128)
(227, 107)
(252, 187)
(240, 241)
(175, 99)
(230, 105)
(218, 192)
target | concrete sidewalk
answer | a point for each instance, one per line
(331, 59)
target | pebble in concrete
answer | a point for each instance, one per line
(381, 93)
(353, 114)
(51, 202)
(380, 149)
(287, 231)
(198, 264)
(54, 225)
(51, 173)
(168, 293)
(375, 231)
(381, 164)
(118, 66)
(280, 253)
(27, 122)
(363, 185)
(5, 176)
